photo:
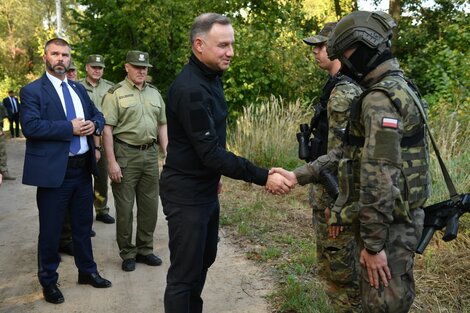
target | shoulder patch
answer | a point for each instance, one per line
(388, 122)
(114, 88)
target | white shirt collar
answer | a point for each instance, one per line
(55, 81)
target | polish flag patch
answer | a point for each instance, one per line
(389, 122)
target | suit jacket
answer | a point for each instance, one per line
(48, 133)
(9, 106)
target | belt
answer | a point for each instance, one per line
(141, 147)
(79, 161)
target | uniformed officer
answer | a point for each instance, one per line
(337, 264)
(97, 87)
(72, 72)
(135, 119)
(383, 163)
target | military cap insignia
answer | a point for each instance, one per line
(141, 57)
(98, 59)
(388, 122)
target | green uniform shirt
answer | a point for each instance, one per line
(135, 114)
(97, 93)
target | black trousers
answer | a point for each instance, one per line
(193, 232)
(15, 130)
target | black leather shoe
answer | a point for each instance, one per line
(92, 233)
(128, 265)
(93, 279)
(105, 218)
(68, 249)
(150, 259)
(52, 294)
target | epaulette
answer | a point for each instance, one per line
(152, 86)
(108, 82)
(114, 88)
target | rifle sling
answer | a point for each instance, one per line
(449, 183)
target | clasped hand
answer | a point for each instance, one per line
(280, 181)
(82, 128)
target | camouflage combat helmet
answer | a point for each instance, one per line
(373, 29)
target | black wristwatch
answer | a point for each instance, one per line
(371, 252)
(97, 129)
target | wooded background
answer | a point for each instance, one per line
(432, 43)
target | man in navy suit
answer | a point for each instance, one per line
(59, 120)
(11, 103)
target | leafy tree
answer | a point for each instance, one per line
(270, 57)
(434, 48)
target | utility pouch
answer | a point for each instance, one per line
(316, 145)
(401, 209)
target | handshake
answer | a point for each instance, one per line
(280, 181)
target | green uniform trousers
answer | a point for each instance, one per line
(100, 187)
(400, 249)
(139, 183)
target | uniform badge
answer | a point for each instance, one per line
(141, 57)
(98, 59)
(388, 122)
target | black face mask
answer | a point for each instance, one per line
(359, 63)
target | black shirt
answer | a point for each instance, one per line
(196, 157)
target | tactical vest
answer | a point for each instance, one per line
(414, 182)
(319, 124)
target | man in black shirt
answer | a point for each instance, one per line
(197, 157)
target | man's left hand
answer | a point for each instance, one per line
(88, 128)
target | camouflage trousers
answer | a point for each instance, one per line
(400, 248)
(338, 263)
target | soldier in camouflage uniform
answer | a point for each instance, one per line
(337, 264)
(383, 160)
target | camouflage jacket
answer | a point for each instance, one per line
(337, 108)
(382, 120)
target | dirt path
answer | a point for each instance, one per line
(233, 284)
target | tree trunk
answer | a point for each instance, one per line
(338, 9)
(394, 9)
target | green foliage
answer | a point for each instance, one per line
(17, 47)
(270, 57)
(434, 50)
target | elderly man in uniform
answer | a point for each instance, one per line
(97, 87)
(338, 266)
(382, 165)
(135, 120)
